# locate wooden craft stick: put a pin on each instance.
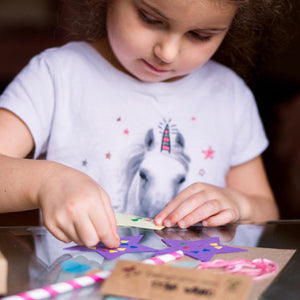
(3, 275)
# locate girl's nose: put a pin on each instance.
(167, 49)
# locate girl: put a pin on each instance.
(138, 120)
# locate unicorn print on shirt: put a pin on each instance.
(156, 173)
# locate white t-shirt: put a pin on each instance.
(142, 142)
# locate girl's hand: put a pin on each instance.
(75, 208)
(201, 202)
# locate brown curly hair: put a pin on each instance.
(259, 29)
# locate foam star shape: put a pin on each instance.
(128, 244)
(202, 250)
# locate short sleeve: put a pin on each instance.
(30, 96)
(249, 138)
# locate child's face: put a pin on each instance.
(160, 40)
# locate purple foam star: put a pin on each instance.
(128, 244)
(202, 250)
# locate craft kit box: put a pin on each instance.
(3, 275)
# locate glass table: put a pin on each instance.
(34, 256)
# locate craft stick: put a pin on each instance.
(3, 274)
(60, 287)
(164, 258)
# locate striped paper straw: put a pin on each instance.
(84, 281)
(60, 287)
(164, 258)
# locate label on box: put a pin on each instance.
(161, 282)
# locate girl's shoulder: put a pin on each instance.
(218, 71)
(67, 53)
(73, 57)
(220, 77)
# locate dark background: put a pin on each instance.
(29, 26)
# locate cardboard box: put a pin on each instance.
(3, 274)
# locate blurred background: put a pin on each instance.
(29, 26)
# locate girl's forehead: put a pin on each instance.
(205, 11)
(191, 5)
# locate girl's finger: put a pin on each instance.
(201, 213)
(60, 235)
(86, 232)
(185, 208)
(65, 225)
(223, 217)
(173, 204)
(103, 227)
(110, 215)
(56, 229)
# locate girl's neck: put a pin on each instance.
(102, 46)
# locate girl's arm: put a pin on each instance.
(250, 179)
(248, 197)
(74, 207)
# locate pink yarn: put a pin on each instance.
(258, 268)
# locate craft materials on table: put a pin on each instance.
(61, 287)
(83, 281)
(3, 274)
(202, 250)
(251, 254)
(135, 221)
(258, 268)
(164, 258)
(128, 244)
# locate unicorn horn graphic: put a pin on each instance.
(165, 143)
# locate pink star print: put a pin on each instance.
(208, 153)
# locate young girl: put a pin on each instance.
(139, 120)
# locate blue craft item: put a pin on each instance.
(72, 266)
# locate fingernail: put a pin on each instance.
(181, 224)
(113, 242)
(158, 221)
(167, 223)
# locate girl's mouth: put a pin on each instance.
(154, 68)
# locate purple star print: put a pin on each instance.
(202, 250)
(128, 244)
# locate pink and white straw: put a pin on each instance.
(60, 287)
(164, 258)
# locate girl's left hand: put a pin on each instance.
(201, 202)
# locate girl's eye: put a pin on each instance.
(148, 19)
(196, 36)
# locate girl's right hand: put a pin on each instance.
(75, 208)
